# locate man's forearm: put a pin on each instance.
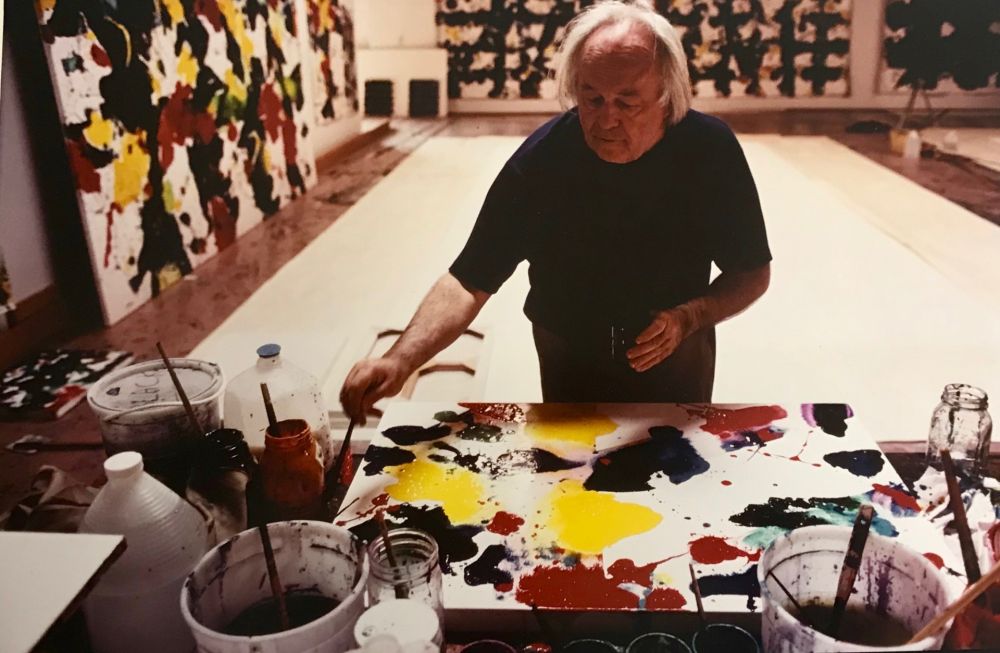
(444, 314)
(731, 293)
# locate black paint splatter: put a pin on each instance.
(455, 543)
(519, 461)
(863, 462)
(451, 417)
(486, 570)
(631, 469)
(410, 435)
(789, 513)
(378, 458)
(481, 433)
(832, 418)
(743, 583)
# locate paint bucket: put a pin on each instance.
(892, 580)
(139, 410)
(310, 557)
(724, 637)
(657, 643)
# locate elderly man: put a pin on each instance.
(620, 206)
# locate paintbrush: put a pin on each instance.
(798, 608)
(401, 592)
(265, 537)
(180, 390)
(334, 476)
(852, 560)
(968, 596)
(969, 557)
(697, 595)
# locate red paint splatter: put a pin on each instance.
(574, 588)
(65, 395)
(720, 421)
(380, 500)
(87, 178)
(711, 550)
(179, 122)
(503, 587)
(107, 235)
(625, 571)
(935, 559)
(270, 111)
(288, 140)
(505, 523)
(209, 9)
(665, 598)
(223, 222)
(232, 133)
(900, 498)
(99, 56)
(727, 482)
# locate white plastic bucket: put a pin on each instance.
(309, 555)
(892, 579)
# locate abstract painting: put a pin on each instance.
(764, 48)
(602, 507)
(331, 37)
(951, 45)
(184, 126)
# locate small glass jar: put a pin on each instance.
(291, 472)
(961, 424)
(416, 575)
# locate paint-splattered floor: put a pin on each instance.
(185, 314)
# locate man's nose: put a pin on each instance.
(608, 116)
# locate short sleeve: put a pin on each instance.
(497, 243)
(738, 238)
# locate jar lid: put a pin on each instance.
(269, 350)
(413, 620)
(149, 383)
(123, 465)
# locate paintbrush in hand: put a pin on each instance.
(855, 549)
(265, 537)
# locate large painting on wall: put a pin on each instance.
(185, 126)
(767, 48)
(331, 38)
(939, 45)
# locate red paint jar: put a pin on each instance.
(291, 472)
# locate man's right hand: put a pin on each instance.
(367, 382)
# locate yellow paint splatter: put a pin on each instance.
(46, 5)
(663, 578)
(168, 275)
(459, 491)
(100, 130)
(176, 10)
(187, 65)
(170, 201)
(589, 522)
(234, 20)
(578, 424)
(131, 169)
(277, 27)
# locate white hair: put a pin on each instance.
(668, 51)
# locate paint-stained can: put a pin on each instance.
(140, 410)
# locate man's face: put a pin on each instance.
(618, 92)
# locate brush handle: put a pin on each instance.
(971, 594)
(972, 571)
(272, 574)
(855, 549)
(272, 419)
(180, 390)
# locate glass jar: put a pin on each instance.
(291, 472)
(962, 425)
(416, 574)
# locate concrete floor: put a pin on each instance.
(184, 315)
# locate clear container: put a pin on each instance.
(416, 574)
(961, 423)
(291, 472)
(294, 392)
(135, 605)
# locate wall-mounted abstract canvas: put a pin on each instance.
(331, 38)
(948, 46)
(184, 126)
(767, 48)
(602, 507)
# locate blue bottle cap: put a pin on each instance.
(269, 350)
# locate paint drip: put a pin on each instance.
(630, 469)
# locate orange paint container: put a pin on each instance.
(291, 471)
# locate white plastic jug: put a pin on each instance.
(294, 392)
(136, 604)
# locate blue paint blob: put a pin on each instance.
(863, 462)
(631, 468)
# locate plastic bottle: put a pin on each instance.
(136, 603)
(294, 392)
(911, 150)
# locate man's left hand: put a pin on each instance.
(661, 338)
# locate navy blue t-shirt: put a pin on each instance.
(611, 243)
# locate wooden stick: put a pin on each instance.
(697, 594)
(971, 594)
(972, 571)
(272, 574)
(802, 613)
(180, 390)
(401, 592)
(855, 549)
(272, 419)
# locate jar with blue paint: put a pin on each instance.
(962, 424)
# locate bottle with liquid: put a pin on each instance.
(962, 424)
(291, 473)
(135, 605)
(294, 392)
